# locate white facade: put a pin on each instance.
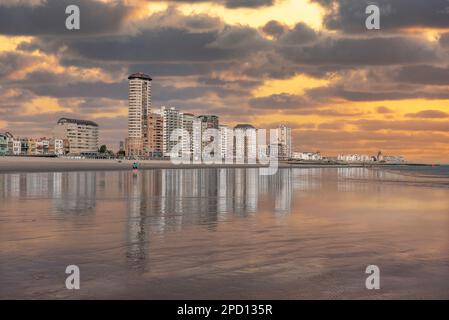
(197, 134)
(187, 143)
(16, 146)
(226, 142)
(59, 147)
(307, 156)
(394, 159)
(172, 120)
(355, 158)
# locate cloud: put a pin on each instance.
(378, 51)
(12, 62)
(349, 15)
(428, 114)
(423, 74)
(274, 28)
(232, 4)
(48, 17)
(402, 125)
(384, 110)
(279, 102)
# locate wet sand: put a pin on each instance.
(36, 164)
(223, 234)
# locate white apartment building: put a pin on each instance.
(139, 107)
(58, 147)
(354, 158)
(226, 142)
(197, 136)
(172, 120)
(307, 156)
(82, 135)
(245, 143)
(16, 145)
(187, 143)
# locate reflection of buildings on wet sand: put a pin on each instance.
(69, 191)
(164, 200)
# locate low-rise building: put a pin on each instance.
(3, 144)
(355, 158)
(307, 156)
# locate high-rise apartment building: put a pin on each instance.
(139, 107)
(285, 142)
(226, 142)
(82, 135)
(155, 136)
(210, 121)
(172, 120)
(245, 143)
(187, 138)
(197, 135)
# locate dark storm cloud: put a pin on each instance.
(379, 51)
(423, 74)
(229, 83)
(159, 45)
(117, 91)
(428, 114)
(48, 18)
(349, 15)
(340, 92)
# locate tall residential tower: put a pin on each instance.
(139, 108)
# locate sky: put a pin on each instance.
(310, 64)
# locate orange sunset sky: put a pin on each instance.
(311, 64)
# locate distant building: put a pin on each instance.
(155, 145)
(81, 135)
(355, 158)
(139, 107)
(394, 159)
(226, 142)
(197, 142)
(187, 142)
(245, 143)
(211, 121)
(285, 142)
(172, 120)
(307, 156)
(4, 144)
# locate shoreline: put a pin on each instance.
(37, 164)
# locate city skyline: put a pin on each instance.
(309, 64)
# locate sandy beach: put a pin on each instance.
(36, 164)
